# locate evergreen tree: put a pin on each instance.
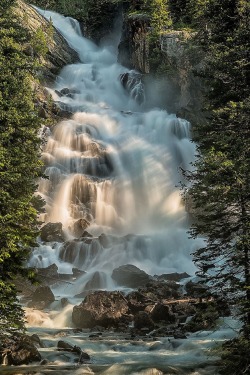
(19, 163)
(220, 180)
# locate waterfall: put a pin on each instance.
(115, 166)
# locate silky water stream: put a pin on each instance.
(115, 165)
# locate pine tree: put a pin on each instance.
(220, 180)
(19, 164)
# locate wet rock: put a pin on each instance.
(173, 276)
(44, 362)
(183, 310)
(64, 302)
(42, 297)
(95, 282)
(160, 290)
(77, 273)
(83, 356)
(94, 336)
(104, 241)
(35, 339)
(67, 92)
(86, 234)
(79, 227)
(52, 232)
(100, 308)
(19, 351)
(133, 84)
(64, 345)
(143, 320)
(179, 335)
(162, 312)
(68, 251)
(136, 301)
(130, 276)
(48, 274)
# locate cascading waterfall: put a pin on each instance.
(112, 171)
(114, 164)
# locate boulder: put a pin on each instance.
(52, 232)
(77, 273)
(136, 301)
(130, 276)
(42, 297)
(160, 290)
(64, 302)
(100, 308)
(19, 351)
(48, 274)
(95, 282)
(79, 227)
(161, 312)
(83, 356)
(104, 240)
(143, 320)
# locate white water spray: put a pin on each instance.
(116, 165)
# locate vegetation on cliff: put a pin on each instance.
(19, 164)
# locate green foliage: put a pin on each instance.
(40, 40)
(19, 163)
(158, 12)
(235, 357)
(204, 319)
(220, 179)
(11, 314)
(74, 8)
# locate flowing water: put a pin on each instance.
(114, 165)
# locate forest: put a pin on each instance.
(217, 183)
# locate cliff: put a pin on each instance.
(58, 53)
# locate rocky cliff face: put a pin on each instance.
(134, 46)
(182, 58)
(171, 60)
(58, 53)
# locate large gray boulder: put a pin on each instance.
(19, 351)
(42, 297)
(100, 308)
(130, 276)
(52, 232)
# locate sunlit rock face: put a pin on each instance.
(59, 52)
